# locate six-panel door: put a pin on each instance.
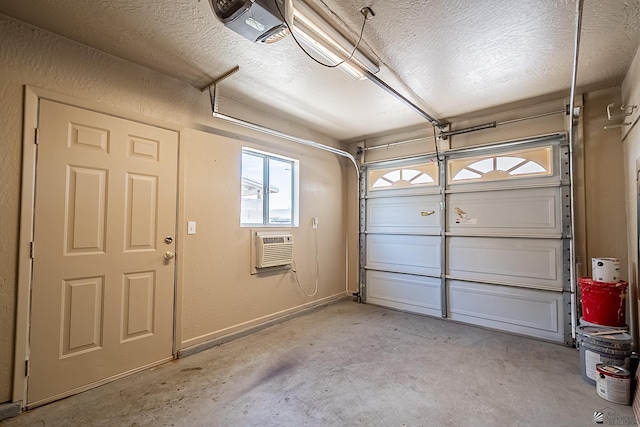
(102, 291)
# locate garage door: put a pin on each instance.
(404, 240)
(484, 238)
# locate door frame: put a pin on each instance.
(32, 97)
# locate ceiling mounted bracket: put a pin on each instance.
(213, 87)
(446, 134)
(367, 13)
(626, 111)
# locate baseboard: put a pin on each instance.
(189, 351)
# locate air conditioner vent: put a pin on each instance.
(274, 250)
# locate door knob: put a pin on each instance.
(169, 255)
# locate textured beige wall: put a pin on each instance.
(604, 181)
(32, 57)
(219, 294)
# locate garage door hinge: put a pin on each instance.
(32, 250)
(37, 137)
(26, 368)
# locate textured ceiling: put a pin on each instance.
(450, 57)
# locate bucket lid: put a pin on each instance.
(583, 322)
(618, 351)
(612, 370)
(604, 336)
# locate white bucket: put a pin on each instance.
(606, 270)
(610, 349)
(613, 383)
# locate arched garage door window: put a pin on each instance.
(404, 176)
(513, 165)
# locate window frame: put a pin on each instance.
(400, 168)
(294, 185)
(546, 151)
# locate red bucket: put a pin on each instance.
(603, 303)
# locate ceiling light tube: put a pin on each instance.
(335, 46)
(327, 53)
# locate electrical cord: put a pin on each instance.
(355, 48)
(294, 270)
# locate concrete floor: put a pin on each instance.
(350, 364)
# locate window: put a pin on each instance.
(405, 176)
(268, 189)
(516, 164)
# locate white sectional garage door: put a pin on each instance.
(483, 239)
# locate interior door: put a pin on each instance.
(103, 269)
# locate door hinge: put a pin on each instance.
(32, 250)
(26, 368)
(37, 136)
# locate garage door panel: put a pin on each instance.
(415, 214)
(485, 242)
(535, 211)
(404, 254)
(525, 311)
(530, 262)
(417, 294)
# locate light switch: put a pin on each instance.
(191, 227)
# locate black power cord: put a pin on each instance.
(355, 48)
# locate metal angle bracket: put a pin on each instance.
(566, 316)
(446, 134)
(362, 207)
(565, 195)
(565, 164)
(566, 265)
(213, 93)
(444, 294)
(362, 295)
(626, 111)
(361, 234)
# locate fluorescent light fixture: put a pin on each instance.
(327, 53)
(317, 34)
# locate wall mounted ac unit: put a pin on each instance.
(273, 250)
(260, 21)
